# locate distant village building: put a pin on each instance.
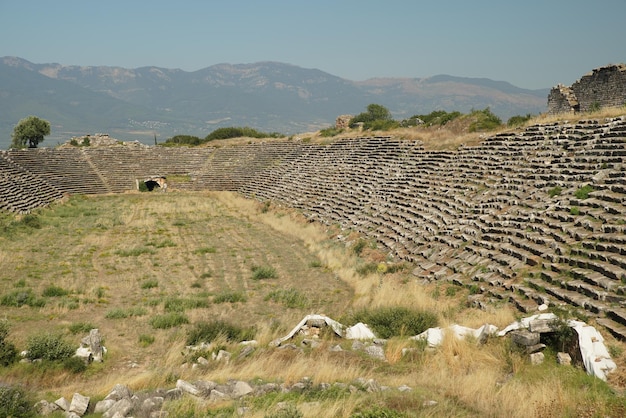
(602, 87)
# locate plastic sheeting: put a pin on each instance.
(435, 336)
(359, 331)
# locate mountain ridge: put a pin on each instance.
(270, 96)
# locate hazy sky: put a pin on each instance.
(529, 43)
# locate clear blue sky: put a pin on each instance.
(529, 43)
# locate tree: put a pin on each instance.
(30, 132)
(376, 117)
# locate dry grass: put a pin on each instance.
(194, 245)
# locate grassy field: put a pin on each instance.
(145, 268)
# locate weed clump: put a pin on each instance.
(209, 331)
(263, 272)
(289, 298)
(15, 402)
(168, 320)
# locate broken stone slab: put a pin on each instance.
(535, 348)
(188, 387)
(79, 404)
(118, 392)
(103, 406)
(375, 351)
(120, 408)
(525, 338)
(542, 325)
(241, 388)
(63, 403)
(222, 355)
(563, 359)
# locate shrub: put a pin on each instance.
(229, 297)
(555, 191)
(574, 210)
(182, 304)
(330, 132)
(20, 298)
(484, 120)
(436, 117)
(583, 192)
(359, 247)
(53, 291)
(48, 347)
(209, 331)
(119, 313)
(387, 322)
(145, 340)
(8, 352)
(74, 365)
(290, 298)
(150, 284)
(377, 117)
(15, 403)
(135, 252)
(168, 320)
(233, 132)
(518, 120)
(263, 272)
(182, 140)
(377, 412)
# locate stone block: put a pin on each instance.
(79, 404)
(524, 337)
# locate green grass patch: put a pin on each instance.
(229, 297)
(209, 331)
(205, 250)
(583, 192)
(555, 191)
(168, 320)
(19, 298)
(135, 252)
(80, 327)
(48, 347)
(182, 304)
(150, 284)
(54, 291)
(121, 313)
(263, 272)
(289, 298)
(146, 340)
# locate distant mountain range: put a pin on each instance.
(268, 96)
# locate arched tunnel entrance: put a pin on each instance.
(152, 183)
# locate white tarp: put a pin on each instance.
(435, 336)
(336, 326)
(359, 331)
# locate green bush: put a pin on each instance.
(48, 347)
(436, 117)
(484, 120)
(583, 192)
(359, 247)
(330, 132)
(74, 365)
(234, 132)
(53, 291)
(81, 327)
(555, 191)
(182, 304)
(377, 117)
(8, 352)
(387, 322)
(209, 331)
(178, 140)
(150, 284)
(15, 402)
(20, 298)
(263, 272)
(168, 320)
(229, 297)
(145, 340)
(518, 120)
(120, 313)
(377, 412)
(289, 298)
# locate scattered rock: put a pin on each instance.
(536, 358)
(79, 404)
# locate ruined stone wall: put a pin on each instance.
(602, 87)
